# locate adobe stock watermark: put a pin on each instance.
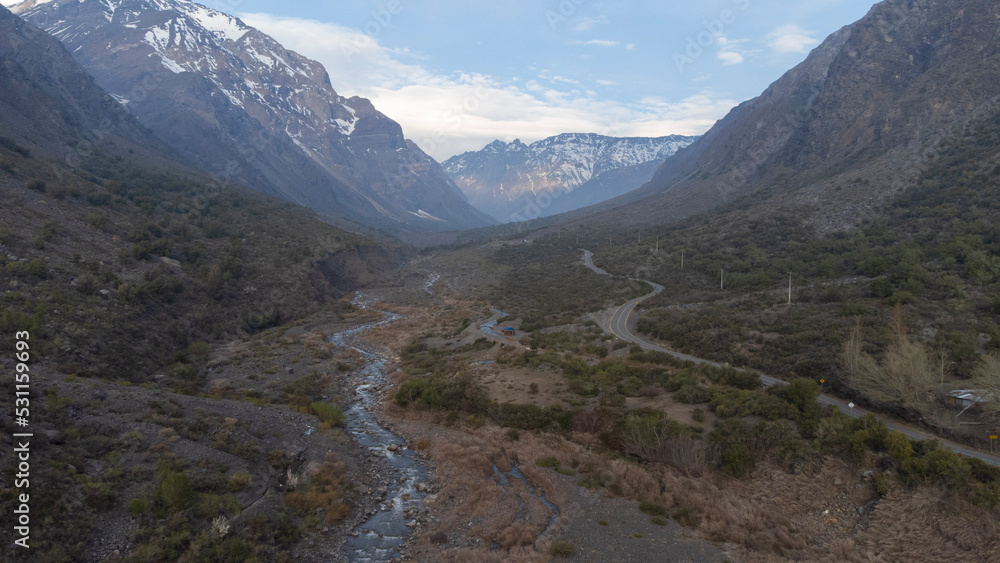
(714, 28)
(562, 12)
(381, 18)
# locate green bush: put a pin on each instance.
(138, 506)
(184, 371)
(238, 481)
(550, 461)
(653, 509)
(738, 460)
(174, 492)
(691, 394)
(461, 393)
(330, 414)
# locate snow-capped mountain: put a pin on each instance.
(236, 103)
(514, 181)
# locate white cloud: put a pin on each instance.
(790, 39)
(582, 25)
(730, 57)
(607, 82)
(597, 43)
(449, 114)
(727, 54)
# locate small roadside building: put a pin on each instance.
(509, 331)
(965, 398)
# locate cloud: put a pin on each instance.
(790, 39)
(446, 114)
(730, 57)
(582, 25)
(727, 54)
(607, 82)
(597, 42)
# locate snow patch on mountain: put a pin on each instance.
(503, 176)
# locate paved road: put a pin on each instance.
(588, 260)
(620, 326)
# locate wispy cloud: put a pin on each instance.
(582, 25)
(790, 39)
(597, 43)
(727, 50)
(446, 114)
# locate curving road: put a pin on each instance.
(619, 325)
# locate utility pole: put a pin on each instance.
(657, 243)
(682, 258)
(722, 279)
(789, 288)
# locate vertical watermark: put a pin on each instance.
(22, 439)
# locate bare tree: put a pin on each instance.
(986, 380)
(904, 375)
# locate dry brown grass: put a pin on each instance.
(773, 515)
(325, 491)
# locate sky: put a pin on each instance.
(458, 74)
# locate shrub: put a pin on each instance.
(138, 506)
(99, 495)
(238, 481)
(184, 371)
(174, 492)
(652, 509)
(561, 549)
(550, 461)
(686, 517)
(330, 414)
(737, 460)
(198, 349)
(691, 394)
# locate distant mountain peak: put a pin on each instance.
(504, 179)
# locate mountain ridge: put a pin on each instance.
(233, 101)
(514, 181)
(843, 132)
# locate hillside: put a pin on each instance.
(842, 133)
(515, 182)
(120, 256)
(231, 100)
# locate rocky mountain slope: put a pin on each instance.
(513, 181)
(119, 256)
(234, 102)
(843, 132)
